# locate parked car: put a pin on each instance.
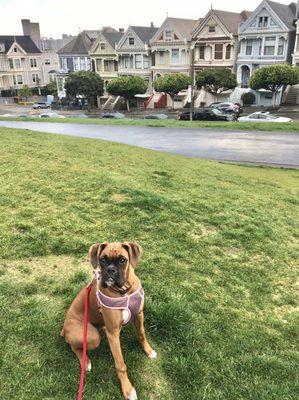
(8, 115)
(156, 116)
(41, 106)
(264, 117)
(228, 107)
(51, 115)
(206, 114)
(115, 115)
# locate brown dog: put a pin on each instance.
(114, 299)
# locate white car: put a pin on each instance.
(264, 117)
(51, 115)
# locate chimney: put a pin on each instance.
(152, 25)
(121, 30)
(32, 29)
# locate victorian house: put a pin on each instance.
(74, 56)
(21, 63)
(134, 53)
(215, 39)
(170, 46)
(267, 37)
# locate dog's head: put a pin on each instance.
(115, 260)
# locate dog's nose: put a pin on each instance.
(111, 270)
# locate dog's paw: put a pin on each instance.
(132, 395)
(153, 355)
(88, 366)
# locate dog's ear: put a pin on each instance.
(94, 251)
(134, 251)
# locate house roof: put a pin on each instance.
(112, 37)
(286, 12)
(81, 43)
(145, 33)
(183, 27)
(232, 20)
(25, 42)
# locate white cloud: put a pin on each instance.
(67, 16)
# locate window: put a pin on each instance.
(10, 61)
(161, 57)
(17, 63)
(99, 64)
(33, 62)
(168, 35)
(103, 46)
(76, 64)
(63, 63)
(184, 57)
(280, 50)
(131, 41)
(82, 64)
(2, 47)
(138, 61)
(248, 47)
(15, 50)
(263, 22)
(47, 61)
(35, 78)
(126, 62)
(17, 80)
(228, 52)
(175, 56)
(269, 49)
(88, 64)
(212, 28)
(218, 51)
(202, 52)
(145, 61)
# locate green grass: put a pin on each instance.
(247, 126)
(219, 269)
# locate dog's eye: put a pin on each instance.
(104, 260)
(122, 261)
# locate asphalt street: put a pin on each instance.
(262, 148)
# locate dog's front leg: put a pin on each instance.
(139, 323)
(121, 369)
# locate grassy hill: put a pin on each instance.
(220, 249)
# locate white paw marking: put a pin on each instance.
(88, 366)
(153, 355)
(133, 395)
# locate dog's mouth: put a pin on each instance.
(109, 282)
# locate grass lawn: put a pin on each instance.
(219, 269)
(243, 126)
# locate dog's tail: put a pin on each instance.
(62, 332)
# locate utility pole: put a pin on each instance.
(192, 79)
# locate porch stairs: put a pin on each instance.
(292, 96)
(112, 103)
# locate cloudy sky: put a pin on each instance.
(70, 16)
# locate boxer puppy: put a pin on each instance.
(116, 299)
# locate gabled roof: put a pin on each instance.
(81, 43)
(25, 42)
(182, 26)
(145, 33)
(232, 20)
(112, 37)
(287, 13)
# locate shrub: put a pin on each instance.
(248, 98)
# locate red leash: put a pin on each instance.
(83, 363)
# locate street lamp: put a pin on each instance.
(192, 79)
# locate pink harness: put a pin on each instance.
(129, 304)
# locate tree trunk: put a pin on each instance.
(273, 99)
(128, 105)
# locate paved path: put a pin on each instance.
(274, 148)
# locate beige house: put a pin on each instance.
(170, 46)
(134, 53)
(104, 56)
(21, 63)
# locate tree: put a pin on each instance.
(274, 78)
(248, 98)
(127, 87)
(25, 92)
(51, 88)
(172, 84)
(216, 81)
(85, 83)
